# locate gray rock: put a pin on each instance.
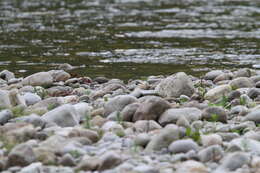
(129, 111)
(239, 110)
(215, 113)
(163, 139)
(212, 153)
(109, 160)
(253, 93)
(253, 116)
(59, 75)
(38, 79)
(223, 77)
(5, 115)
(241, 82)
(183, 146)
(234, 161)
(21, 155)
(191, 166)
(4, 99)
(7, 75)
(172, 115)
(32, 119)
(211, 139)
(55, 169)
(64, 116)
(65, 66)
(31, 98)
(16, 98)
(146, 125)
(142, 139)
(83, 110)
(233, 95)
(33, 168)
(216, 93)
(118, 103)
(67, 160)
(175, 86)
(151, 108)
(56, 101)
(245, 72)
(246, 144)
(213, 74)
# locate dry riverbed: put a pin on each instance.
(51, 122)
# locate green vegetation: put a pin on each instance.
(119, 118)
(223, 103)
(214, 117)
(195, 135)
(87, 123)
(18, 111)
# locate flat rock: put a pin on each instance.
(38, 79)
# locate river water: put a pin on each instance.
(129, 38)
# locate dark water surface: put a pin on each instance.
(129, 38)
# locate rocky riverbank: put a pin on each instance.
(51, 122)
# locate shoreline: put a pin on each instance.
(50, 121)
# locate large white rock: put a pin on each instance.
(175, 86)
(64, 116)
(38, 79)
(216, 93)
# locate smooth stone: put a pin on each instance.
(129, 111)
(118, 103)
(253, 116)
(211, 139)
(59, 75)
(216, 93)
(65, 66)
(67, 160)
(142, 139)
(163, 139)
(38, 79)
(215, 113)
(253, 93)
(31, 98)
(36, 167)
(191, 166)
(146, 125)
(246, 144)
(83, 110)
(172, 115)
(183, 146)
(21, 155)
(4, 99)
(16, 98)
(233, 161)
(213, 153)
(175, 86)
(241, 82)
(6, 75)
(5, 115)
(64, 116)
(213, 74)
(109, 160)
(151, 108)
(239, 110)
(245, 72)
(88, 163)
(233, 95)
(223, 77)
